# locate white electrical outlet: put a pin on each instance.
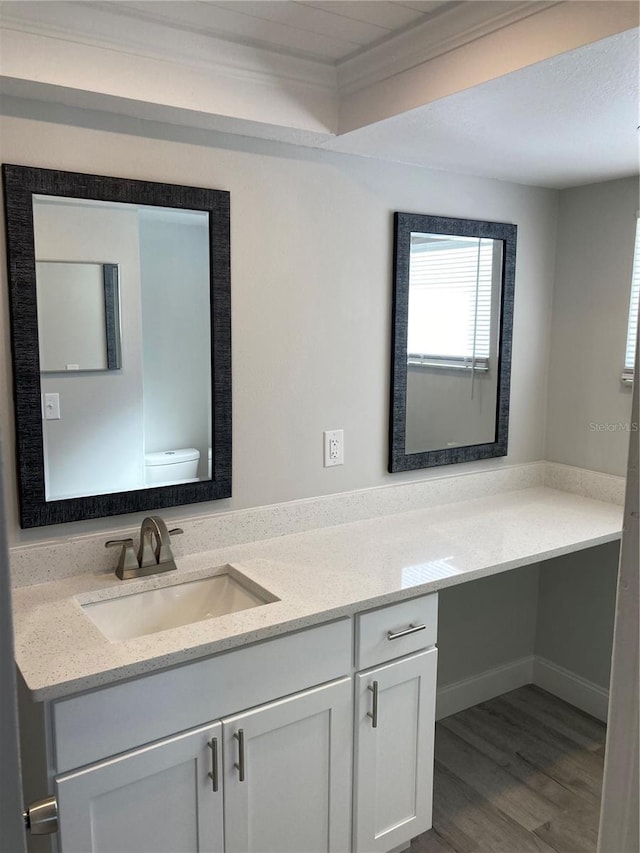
(333, 447)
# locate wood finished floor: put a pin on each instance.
(521, 773)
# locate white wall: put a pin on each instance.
(596, 228)
(98, 439)
(311, 294)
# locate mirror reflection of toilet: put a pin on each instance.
(170, 467)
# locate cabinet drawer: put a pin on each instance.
(114, 719)
(387, 633)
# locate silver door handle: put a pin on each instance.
(239, 736)
(412, 629)
(213, 746)
(373, 713)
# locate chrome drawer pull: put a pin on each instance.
(412, 629)
(213, 746)
(239, 736)
(373, 713)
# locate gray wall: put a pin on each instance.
(311, 254)
(576, 610)
(562, 610)
(596, 228)
(486, 623)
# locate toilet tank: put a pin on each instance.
(170, 467)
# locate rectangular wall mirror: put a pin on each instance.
(120, 321)
(451, 352)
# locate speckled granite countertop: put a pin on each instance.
(318, 576)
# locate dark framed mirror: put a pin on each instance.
(453, 290)
(120, 310)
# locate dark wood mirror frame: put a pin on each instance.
(404, 225)
(20, 184)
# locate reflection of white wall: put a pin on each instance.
(97, 444)
(174, 269)
(441, 412)
(71, 316)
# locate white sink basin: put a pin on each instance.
(129, 616)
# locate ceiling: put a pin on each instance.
(328, 32)
(530, 91)
(567, 121)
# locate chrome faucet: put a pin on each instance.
(150, 560)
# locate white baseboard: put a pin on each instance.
(532, 669)
(572, 688)
(493, 682)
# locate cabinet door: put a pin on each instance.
(394, 732)
(295, 758)
(157, 799)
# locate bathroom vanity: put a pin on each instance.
(306, 723)
(251, 750)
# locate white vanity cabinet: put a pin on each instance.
(157, 799)
(276, 778)
(394, 725)
(252, 750)
(294, 793)
(133, 774)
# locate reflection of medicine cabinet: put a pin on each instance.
(78, 316)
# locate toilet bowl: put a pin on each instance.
(170, 467)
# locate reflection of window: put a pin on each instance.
(450, 283)
(632, 330)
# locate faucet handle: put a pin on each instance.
(128, 564)
(175, 530)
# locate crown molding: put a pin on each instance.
(69, 72)
(129, 32)
(447, 30)
(109, 56)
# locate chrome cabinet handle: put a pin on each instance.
(412, 629)
(41, 817)
(213, 746)
(239, 736)
(373, 713)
